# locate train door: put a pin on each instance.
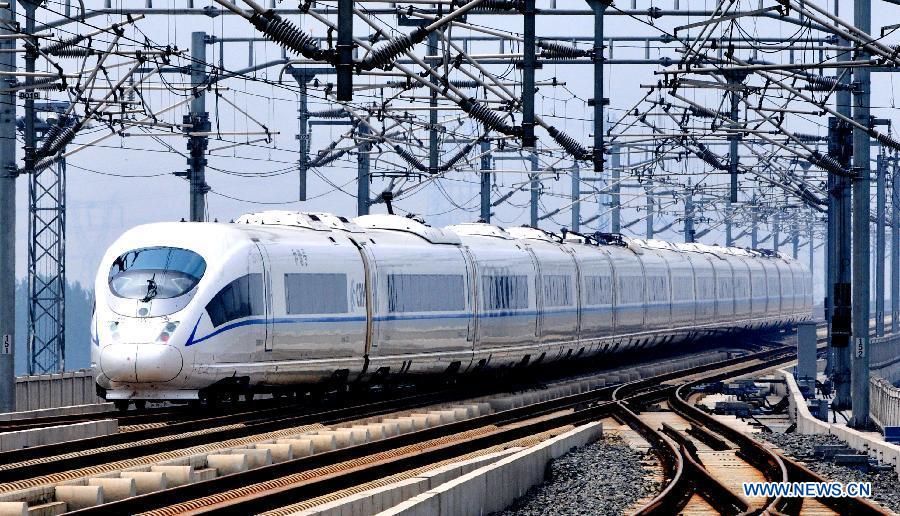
(472, 290)
(368, 298)
(259, 264)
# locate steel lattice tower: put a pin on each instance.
(47, 269)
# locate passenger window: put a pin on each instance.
(726, 290)
(599, 290)
(631, 290)
(706, 288)
(315, 293)
(683, 288)
(658, 289)
(557, 291)
(242, 297)
(426, 293)
(504, 292)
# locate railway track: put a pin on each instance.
(175, 428)
(295, 481)
(692, 479)
(706, 461)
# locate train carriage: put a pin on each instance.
(298, 299)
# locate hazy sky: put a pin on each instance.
(101, 206)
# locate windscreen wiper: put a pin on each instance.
(151, 290)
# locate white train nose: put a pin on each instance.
(143, 363)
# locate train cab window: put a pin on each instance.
(504, 292)
(557, 290)
(155, 273)
(315, 293)
(242, 297)
(426, 292)
(598, 290)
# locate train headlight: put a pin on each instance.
(113, 327)
(166, 332)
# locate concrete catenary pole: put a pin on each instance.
(7, 215)
(879, 246)
(615, 215)
(576, 197)
(485, 181)
(650, 207)
(688, 214)
(776, 231)
(535, 189)
(734, 82)
(362, 171)
(754, 223)
(859, 378)
(199, 120)
(433, 149)
(895, 247)
(302, 136)
(599, 58)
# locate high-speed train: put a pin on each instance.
(291, 299)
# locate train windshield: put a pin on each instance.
(155, 273)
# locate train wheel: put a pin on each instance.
(140, 404)
(121, 405)
(248, 396)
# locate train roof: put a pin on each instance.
(408, 225)
(316, 221)
(450, 235)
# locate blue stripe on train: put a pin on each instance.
(416, 317)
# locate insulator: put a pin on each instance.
(49, 137)
(554, 49)
(886, 140)
(708, 156)
(330, 113)
(702, 112)
(569, 144)
(286, 34)
(828, 163)
(810, 197)
(406, 156)
(487, 116)
(74, 52)
(324, 158)
(384, 55)
(805, 137)
(455, 158)
(43, 164)
(823, 83)
(51, 147)
(465, 84)
(57, 49)
(501, 6)
(46, 83)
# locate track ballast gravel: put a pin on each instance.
(605, 477)
(885, 485)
